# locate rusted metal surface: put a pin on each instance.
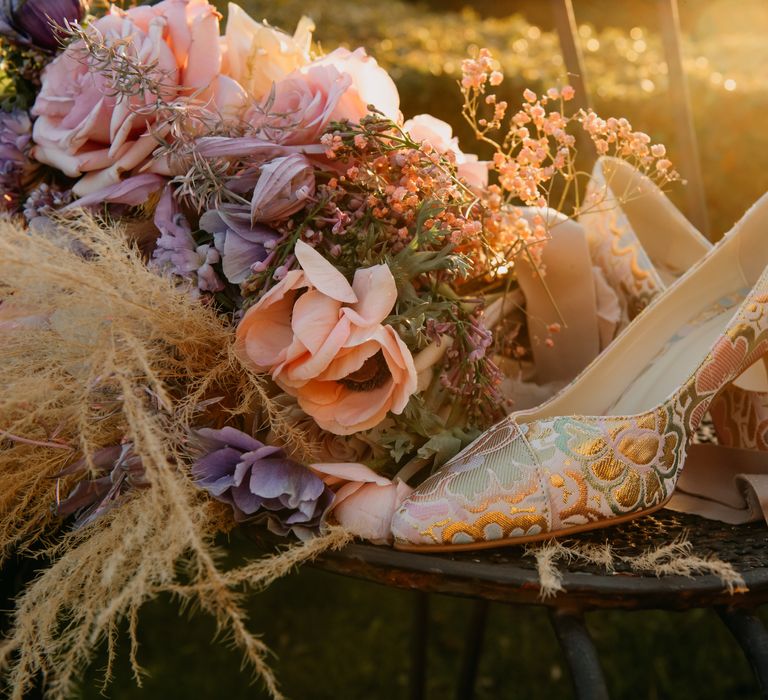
(510, 576)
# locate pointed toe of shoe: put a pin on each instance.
(488, 495)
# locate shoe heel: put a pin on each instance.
(740, 412)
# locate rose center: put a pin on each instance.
(373, 374)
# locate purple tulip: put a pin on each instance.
(35, 21)
(284, 186)
(15, 165)
(258, 480)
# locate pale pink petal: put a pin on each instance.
(321, 394)
(229, 98)
(398, 356)
(133, 191)
(179, 34)
(363, 408)
(371, 84)
(349, 471)
(349, 361)
(368, 512)
(204, 56)
(314, 318)
(323, 275)
(474, 173)
(265, 330)
(312, 366)
(377, 293)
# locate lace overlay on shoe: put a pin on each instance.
(616, 249)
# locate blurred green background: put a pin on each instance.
(340, 638)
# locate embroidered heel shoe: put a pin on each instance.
(643, 244)
(610, 446)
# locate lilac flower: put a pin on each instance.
(45, 199)
(176, 251)
(118, 471)
(258, 480)
(240, 243)
(35, 21)
(284, 186)
(15, 165)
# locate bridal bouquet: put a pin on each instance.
(238, 286)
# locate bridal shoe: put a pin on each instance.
(643, 244)
(611, 445)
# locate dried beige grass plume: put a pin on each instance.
(118, 353)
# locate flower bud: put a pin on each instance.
(35, 21)
(284, 186)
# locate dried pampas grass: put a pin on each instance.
(104, 350)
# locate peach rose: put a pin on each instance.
(439, 135)
(257, 55)
(323, 342)
(364, 501)
(83, 128)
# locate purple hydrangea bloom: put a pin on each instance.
(15, 165)
(35, 21)
(259, 480)
(176, 251)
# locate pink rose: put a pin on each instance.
(323, 342)
(83, 128)
(257, 55)
(338, 86)
(371, 84)
(439, 135)
(301, 106)
(364, 501)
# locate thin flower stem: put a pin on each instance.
(37, 443)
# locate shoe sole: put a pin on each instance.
(511, 541)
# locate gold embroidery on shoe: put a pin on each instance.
(628, 494)
(507, 525)
(516, 498)
(430, 531)
(639, 450)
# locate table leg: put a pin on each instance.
(580, 655)
(419, 639)
(750, 633)
(473, 648)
